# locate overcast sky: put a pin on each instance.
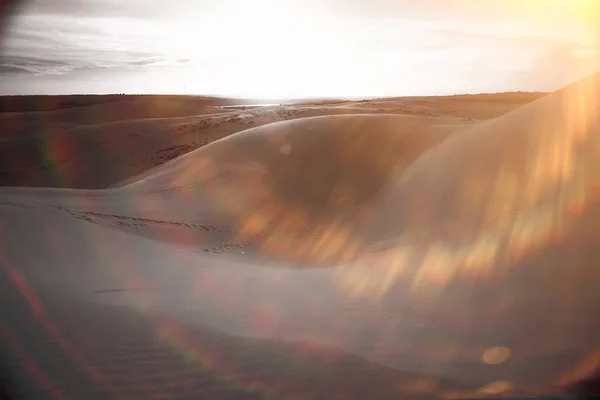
(297, 48)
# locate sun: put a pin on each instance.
(263, 29)
(261, 46)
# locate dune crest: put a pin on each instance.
(505, 186)
(298, 191)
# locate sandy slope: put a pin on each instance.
(466, 259)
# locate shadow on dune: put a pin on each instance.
(329, 166)
(276, 191)
(294, 192)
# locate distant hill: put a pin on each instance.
(58, 102)
(503, 97)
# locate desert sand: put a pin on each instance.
(93, 142)
(394, 248)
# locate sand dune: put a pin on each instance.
(453, 261)
(296, 182)
(96, 145)
(90, 110)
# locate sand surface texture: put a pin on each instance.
(413, 248)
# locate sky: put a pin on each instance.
(298, 48)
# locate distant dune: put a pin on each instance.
(98, 141)
(59, 102)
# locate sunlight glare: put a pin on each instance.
(272, 50)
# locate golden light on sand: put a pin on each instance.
(525, 198)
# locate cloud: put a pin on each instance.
(144, 9)
(8, 67)
(454, 45)
(61, 44)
